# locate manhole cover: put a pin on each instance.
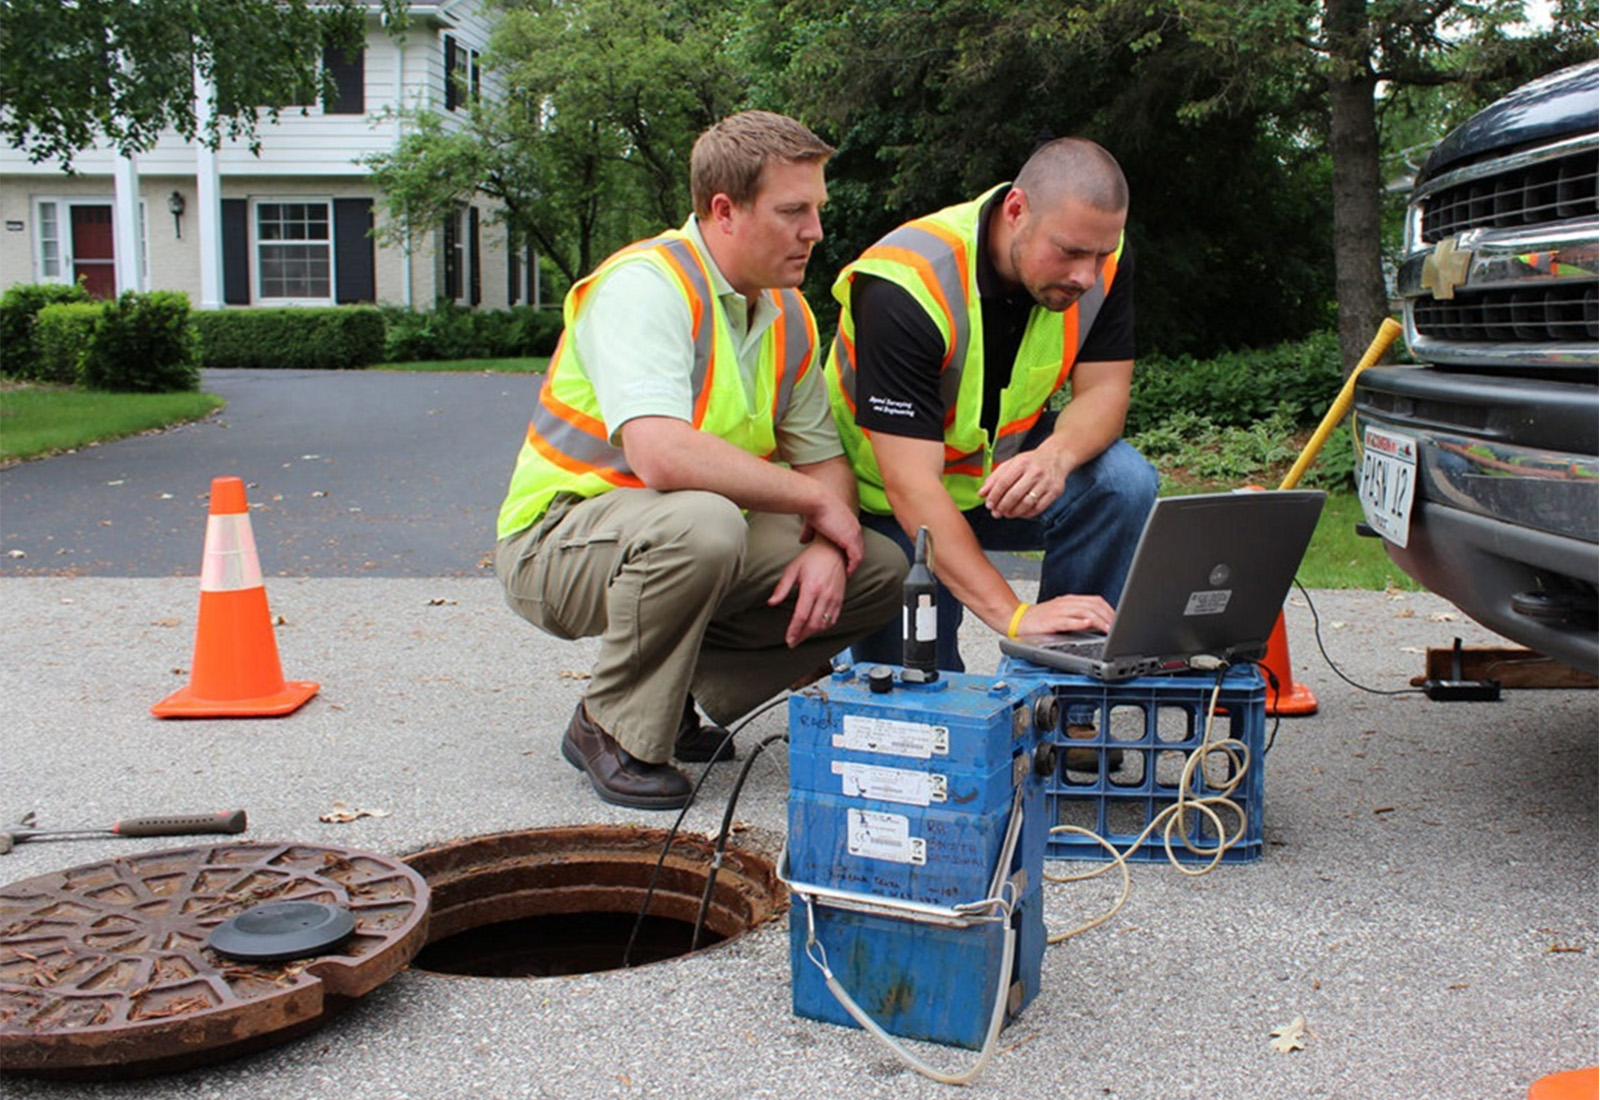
(104, 969)
(567, 900)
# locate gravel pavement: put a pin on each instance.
(1426, 903)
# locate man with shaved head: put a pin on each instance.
(955, 332)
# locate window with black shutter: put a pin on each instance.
(452, 257)
(349, 75)
(449, 72)
(477, 258)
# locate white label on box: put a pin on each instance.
(884, 735)
(890, 784)
(1212, 601)
(885, 836)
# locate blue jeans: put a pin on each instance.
(1087, 534)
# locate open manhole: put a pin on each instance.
(109, 971)
(567, 900)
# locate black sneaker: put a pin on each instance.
(699, 744)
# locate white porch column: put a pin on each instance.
(125, 224)
(208, 202)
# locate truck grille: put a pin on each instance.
(1533, 194)
(1550, 314)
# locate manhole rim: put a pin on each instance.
(741, 862)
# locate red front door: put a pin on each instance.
(94, 258)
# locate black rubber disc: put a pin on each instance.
(283, 930)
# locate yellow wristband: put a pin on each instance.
(1016, 618)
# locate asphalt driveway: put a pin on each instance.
(351, 473)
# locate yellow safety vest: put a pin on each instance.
(934, 260)
(567, 448)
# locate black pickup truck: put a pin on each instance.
(1478, 467)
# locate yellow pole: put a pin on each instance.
(1341, 404)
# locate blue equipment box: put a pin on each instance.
(1158, 722)
(906, 794)
(899, 807)
(918, 981)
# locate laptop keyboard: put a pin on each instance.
(1090, 649)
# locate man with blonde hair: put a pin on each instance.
(682, 492)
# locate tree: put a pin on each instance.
(75, 71)
(1353, 54)
(586, 144)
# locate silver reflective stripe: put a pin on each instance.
(230, 563)
(796, 347)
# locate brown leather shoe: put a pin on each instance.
(618, 777)
(1086, 760)
(698, 744)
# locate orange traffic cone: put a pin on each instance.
(1290, 699)
(1578, 1084)
(236, 672)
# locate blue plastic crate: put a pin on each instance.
(1158, 722)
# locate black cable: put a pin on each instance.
(1316, 626)
(727, 828)
(672, 833)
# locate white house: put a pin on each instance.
(290, 226)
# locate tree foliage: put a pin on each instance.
(935, 101)
(588, 145)
(76, 71)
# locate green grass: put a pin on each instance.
(533, 365)
(1340, 558)
(41, 420)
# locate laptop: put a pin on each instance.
(1208, 580)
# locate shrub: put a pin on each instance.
(450, 332)
(1237, 389)
(292, 339)
(61, 336)
(19, 311)
(143, 343)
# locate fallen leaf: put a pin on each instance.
(1290, 1036)
(341, 814)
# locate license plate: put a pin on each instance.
(1388, 483)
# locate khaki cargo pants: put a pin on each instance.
(675, 585)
